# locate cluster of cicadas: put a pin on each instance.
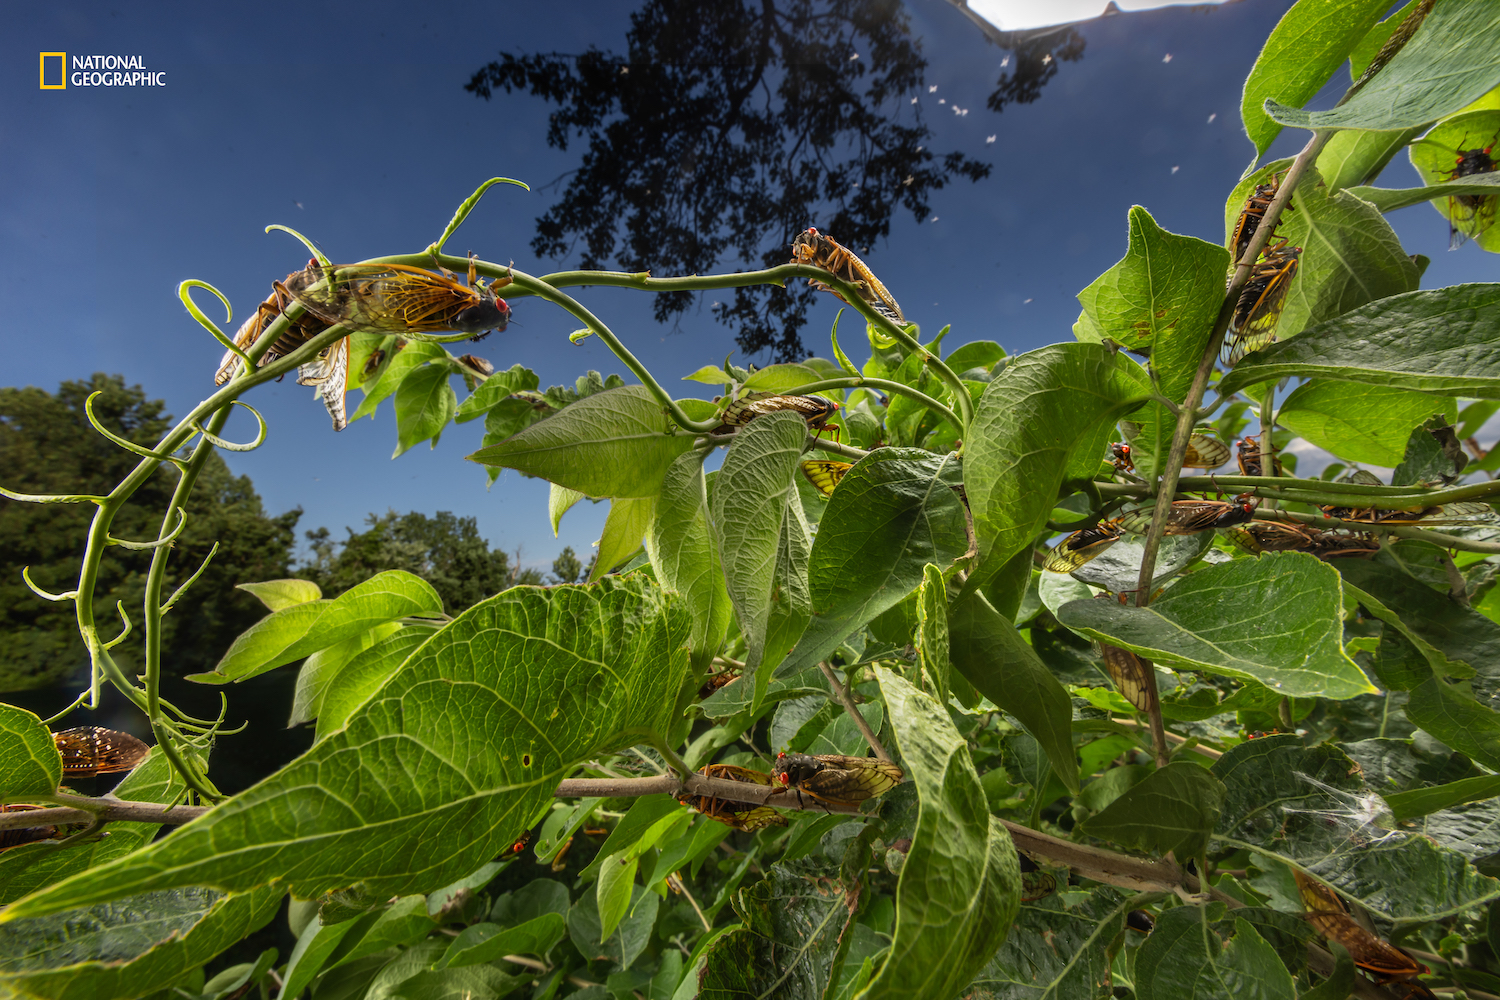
(86, 751)
(377, 298)
(828, 780)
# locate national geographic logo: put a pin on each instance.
(96, 71)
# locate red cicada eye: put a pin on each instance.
(782, 778)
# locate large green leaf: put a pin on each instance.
(961, 884)
(615, 443)
(1304, 50)
(29, 761)
(424, 404)
(1174, 809)
(365, 673)
(1450, 62)
(455, 756)
(1059, 949)
(278, 594)
(684, 555)
(892, 514)
(492, 390)
(1446, 341)
(319, 671)
(991, 655)
(1184, 958)
(1163, 296)
(1276, 620)
(624, 528)
(752, 496)
(1036, 426)
(1308, 806)
(1353, 159)
(407, 359)
(292, 633)
(128, 948)
(1453, 716)
(1359, 423)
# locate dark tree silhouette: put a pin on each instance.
(728, 128)
(1035, 60)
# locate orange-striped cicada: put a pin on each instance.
(1249, 455)
(1460, 513)
(714, 682)
(1131, 675)
(815, 409)
(1330, 917)
(1251, 216)
(90, 750)
(820, 250)
(1278, 536)
(745, 816)
(1081, 546)
(825, 475)
(1203, 452)
(1470, 214)
(1188, 517)
(1258, 310)
(835, 779)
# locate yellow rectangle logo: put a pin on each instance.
(61, 70)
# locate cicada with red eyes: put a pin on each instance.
(1081, 546)
(1203, 452)
(821, 250)
(1470, 214)
(1261, 301)
(1188, 517)
(814, 409)
(90, 750)
(744, 816)
(834, 779)
(1461, 513)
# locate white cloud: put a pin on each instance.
(1018, 15)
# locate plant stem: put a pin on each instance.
(841, 692)
(886, 385)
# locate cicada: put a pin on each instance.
(815, 409)
(1131, 675)
(1203, 452)
(1460, 513)
(1036, 883)
(1258, 310)
(715, 681)
(90, 750)
(1246, 226)
(1188, 517)
(745, 816)
(16, 836)
(1119, 457)
(1470, 214)
(1330, 917)
(1081, 546)
(819, 250)
(1249, 454)
(1277, 536)
(835, 779)
(825, 476)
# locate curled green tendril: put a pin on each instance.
(260, 437)
(189, 581)
(168, 540)
(467, 207)
(130, 446)
(311, 248)
(838, 352)
(185, 293)
(120, 607)
(44, 595)
(51, 497)
(64, 713)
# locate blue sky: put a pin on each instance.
(349, 122)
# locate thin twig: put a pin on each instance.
(681, 886)
(841, 692)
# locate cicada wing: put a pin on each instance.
(825, 476)
(1253, 326)
(89, 750)
(330, 373)
(1081, 546)
(1131, 676)
(1204, 452)
(849, 780)
(248, 333)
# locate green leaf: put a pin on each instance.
(625, 945)
(1038, 424)
(893, 513)
(482, 943)
(681, 545)
(932, 641)
(782, 378)
(424, 404)
(1309, 44)
(1163, 297)
(1352, 159)
(616, 443)
(458, 754)
(415, 354)
(290, 634)
(1456, 718)
(1359, 423)
(1450, 62)
(405, 921)
(624, 528)
(278, 594)
(475, 982)
(560, 500)
(315, 945)
(29, 761)
(320, 670)
(365, 673)
(1276, 619)
(1059, 947)
(1340, 983)
(751, 498)
(1422, 801)
(1436, 155)
(1184, 958)
(961, 884)
(129, 948)
(1174, 809)
(1390, 199)
(492, 390)
(974, 354)
(710, 375)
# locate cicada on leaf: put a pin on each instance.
(745, 816)
(1258, 310)
(716, 681)
(1470, 214)
(1188, 517)
(1081, 546)
(825, 475)
(835, 779)
(1330, 917)
(1131, 675)
(90, 750)
(821, 250)
(815, 410)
